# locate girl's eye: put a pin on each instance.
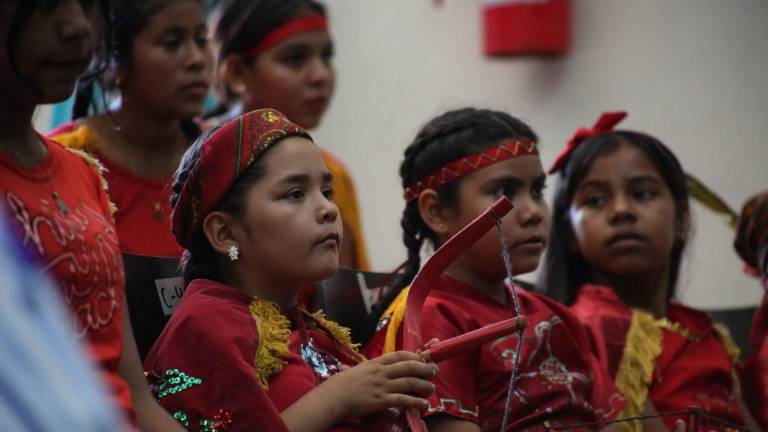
(328, 57)
(295, 194)
(294, 60)
(171, 43)
(644, 194)
(537, 192)
(595, 201)
(201, 41)
(328, 192)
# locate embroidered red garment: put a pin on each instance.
(680, 379)
(211, 344)
(560, 383)
(78, 247)
(307, 23)
(469, 164)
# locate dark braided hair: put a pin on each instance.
(446, 138)
(239, 25)
(564, 268)
(200, 261)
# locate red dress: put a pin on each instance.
(662, 359)
(754, 369)
(560, 383)
(143, 216)
(226, 357)
(75, 240)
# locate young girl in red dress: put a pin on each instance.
(458, 165)
(621, 223)
(253, 206)
(56, 198)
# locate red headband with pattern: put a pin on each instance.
(469, 164)
(224, 156)
(293, 27)
(604, 124)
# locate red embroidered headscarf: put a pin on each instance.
(226, 153)
(604, 124)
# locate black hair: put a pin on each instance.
(239, 25)
(444, 139)
(26, 8)
(199, 260)
(564, 268)
(127, 18)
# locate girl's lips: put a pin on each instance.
(199, 89)
(317, 104)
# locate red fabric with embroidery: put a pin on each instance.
(213, 336)
(681, 379)
(79, 248)
(557, 371)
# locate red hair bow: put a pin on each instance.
(604, 124)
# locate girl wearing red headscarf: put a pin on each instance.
(278, 54)
(621, 222)
(252, 205)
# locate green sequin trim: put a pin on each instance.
(182, 418)
(174, 381)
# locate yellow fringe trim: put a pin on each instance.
(396, 313)
(734, 352)
(99, 168)
(339, 332)
(274, 331)
(643, 346)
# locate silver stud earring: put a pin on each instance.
(234, 253)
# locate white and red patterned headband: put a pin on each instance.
(469, 164)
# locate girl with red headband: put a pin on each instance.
(252, 205)
(277, 53)
(56, 198)
(621, 223)
(458, 165)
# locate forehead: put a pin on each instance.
(625, 162)
(182, 13)
(292, 155)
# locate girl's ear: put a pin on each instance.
(219, 228)
(233, 70)
(434, 215)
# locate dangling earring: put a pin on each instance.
(234, 253)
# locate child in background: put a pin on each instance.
(622, 220)
(277, 53)
(253, 206)
(55, 197)
(160, 67)
(752, 246)
(458, 165)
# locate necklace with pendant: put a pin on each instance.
(60, 204)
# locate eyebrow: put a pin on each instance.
(632, 180)
(504, 180)
(326, 177)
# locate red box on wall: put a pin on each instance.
(520, 27)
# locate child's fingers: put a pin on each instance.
(405, 401)
(411, 385)
(411, 368)
(680, 425)
(396, 357)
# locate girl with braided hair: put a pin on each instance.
(458, 165)
(252, 205)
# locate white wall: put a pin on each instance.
(692, 72)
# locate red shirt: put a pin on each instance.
(681, 378)
(143, 216)
(212, 336)
(559, 382)
(79, 247)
